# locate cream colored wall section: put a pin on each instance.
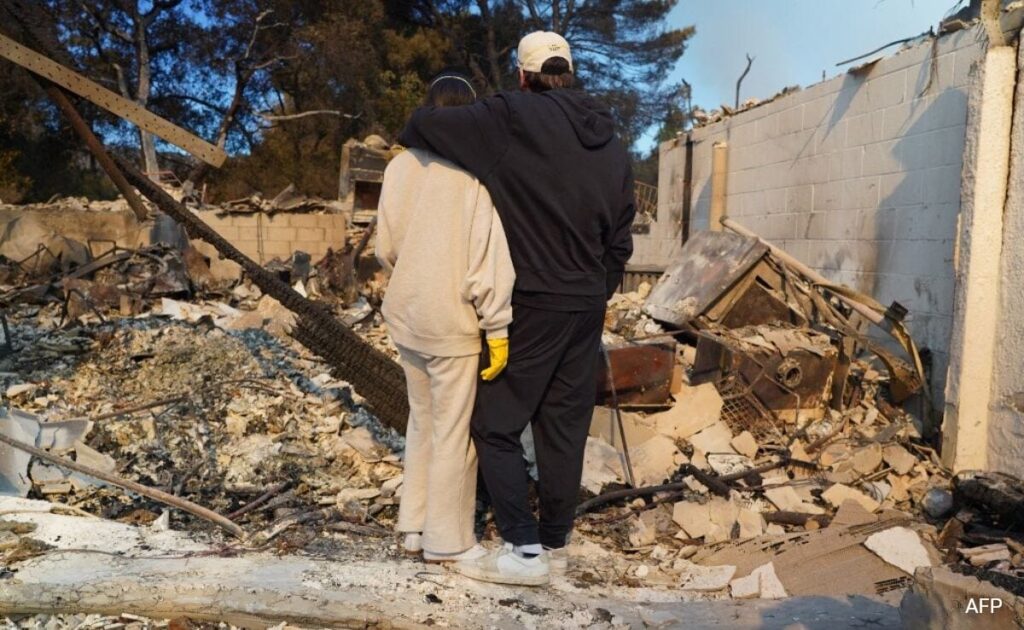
(859, 177)
(973, 344)
(1006, 423)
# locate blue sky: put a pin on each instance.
(792, 40)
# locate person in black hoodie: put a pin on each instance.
(562, 185)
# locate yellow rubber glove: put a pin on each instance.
(499, 358)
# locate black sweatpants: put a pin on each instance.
(549, 382)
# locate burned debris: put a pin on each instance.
(799, 444)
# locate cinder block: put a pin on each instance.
(791, 119)
(831, 137)
(248, 233)
(931, 79)
(828, 196)
(279, 233)
(305, 235)
(243, 220)
(774, 200)
(742, 132)
(878, 159)
(943, 147)
(800, 199)
(278, 220)
(818, 112)
(303, 220)
(248, 247)
(965, 66)
(866, 128)
(278, 249)
(812, 170)
(330, 221)
(943, 185)
(901, 189)
(859, 193)
(767, 127)
(887, 90)
(229, 232)
(928, 222)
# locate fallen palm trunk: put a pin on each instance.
(152, 493)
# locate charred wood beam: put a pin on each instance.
(131, 486)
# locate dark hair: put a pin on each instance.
(450, 89)
(554, 74)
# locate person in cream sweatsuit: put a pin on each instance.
(451, 278)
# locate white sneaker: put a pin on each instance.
(504, 566)
(557, 559)
(413, 543)
(473, 553)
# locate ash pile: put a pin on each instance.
(765, 433)
(135, 363)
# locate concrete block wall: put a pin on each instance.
(281, 235)
(858, 176)
(657, 247)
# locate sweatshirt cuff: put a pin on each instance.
(498, 333)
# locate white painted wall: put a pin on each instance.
(858, 176)
(1006, 422)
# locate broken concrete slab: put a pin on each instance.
(787, 500)
(746, 587)
(716, 438)
(745, 444)
(866, 460)
(898, 458)
(852, 513)
(655, 460)
(601, 465)
(900, 547)
(638, 429)
(838, 493)
(696, 409)
(703, 578)
(751, 524)
(694, 518)
(762, 582)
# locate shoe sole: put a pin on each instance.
(514, 580)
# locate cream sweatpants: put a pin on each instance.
(439, 491)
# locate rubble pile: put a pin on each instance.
(783, 448)
(219, 417)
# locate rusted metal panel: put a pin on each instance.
(641, 374)
(708, 265)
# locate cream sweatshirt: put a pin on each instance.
(440, 237)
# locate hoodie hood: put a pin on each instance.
(590, 119)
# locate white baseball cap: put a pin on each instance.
(538, 47)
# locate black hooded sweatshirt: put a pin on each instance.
(561, 183)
